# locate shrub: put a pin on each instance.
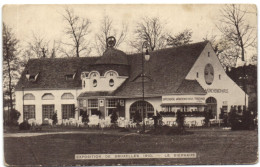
(235, 120)
(85, 116)
(24, 125)
(247, 120)
(180, 120)
(54, 118)
(114, 117)
(14, 116)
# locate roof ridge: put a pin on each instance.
(163, 49)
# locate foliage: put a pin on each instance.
(137, 117)
(186, 113)
(180, 119)
(114, 117)
(85, 116)
(24, 125)
(10, 62)
(14, 116)
(180, 39)
(54, 118)
(240, 122)
(237, 75)
(208, 115)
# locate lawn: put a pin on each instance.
(213, 146)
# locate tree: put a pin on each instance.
(38, 47)
(225, 51)
(150, 30)
(235, 29)
(179, 39)
(10, 62)
(77, 30)
(180, 120)
(106, 30)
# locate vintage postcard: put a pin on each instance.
(149, 84)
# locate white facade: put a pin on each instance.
(38, 102)
(94, 82)
(207, 68)
(224, 89)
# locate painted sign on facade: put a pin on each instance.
(183, 99)
(216, 90)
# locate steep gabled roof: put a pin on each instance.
(190, 87)
(165, 72)
(167, 69)
(53, 71)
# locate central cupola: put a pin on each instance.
(112, 55)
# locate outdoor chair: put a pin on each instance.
(32, 121)
(65, 122)
(72, 121)
(132, 124)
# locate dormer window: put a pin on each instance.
(111, 82)
(84, 75)
(70, 76)
(31, 77)
(94, 83)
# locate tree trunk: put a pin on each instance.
(10, 84)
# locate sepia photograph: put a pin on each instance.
(129, 84)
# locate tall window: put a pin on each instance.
(111, 103)
(29, 96)
(47, 111)
(28, 112)
(93, 103)
(68, 111)
(47, 96)
(67, 96)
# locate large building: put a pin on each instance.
(189, 78)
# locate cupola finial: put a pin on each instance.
(111, 41)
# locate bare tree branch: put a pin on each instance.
(107, 29)
(77, 30)
(150, 30)
(234, 29)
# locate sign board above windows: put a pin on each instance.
(195, 99)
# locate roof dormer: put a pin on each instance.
(70, 76)
(31, 77)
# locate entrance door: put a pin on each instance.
(138, 106)
(212, 105)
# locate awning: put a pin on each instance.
(183, 104)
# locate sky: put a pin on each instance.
(47, 21)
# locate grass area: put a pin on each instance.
(213, 146)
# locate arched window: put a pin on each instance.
(67, 96)
(111, 82)
(47, 96)
(94, 83)
(211, 100)
(29, 96)
(138, 106)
